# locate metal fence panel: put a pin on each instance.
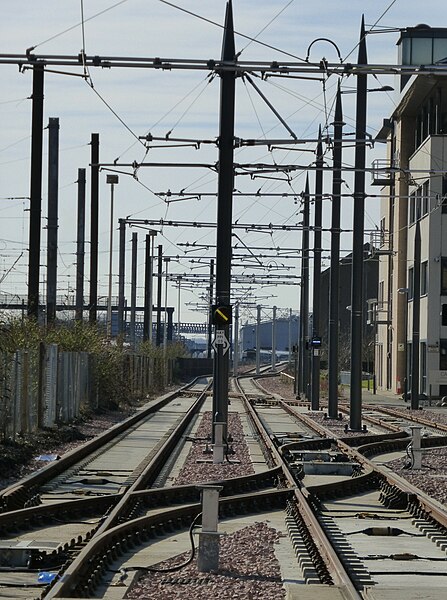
(49, 379)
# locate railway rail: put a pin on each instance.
(357, 528)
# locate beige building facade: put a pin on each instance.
(414, 182)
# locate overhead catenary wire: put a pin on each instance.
(238, 33)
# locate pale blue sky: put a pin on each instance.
(149, 101)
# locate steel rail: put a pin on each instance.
(333, 564)
(426, 503)
(417, 418)
(86, 572)
(114, 506)
(431, 507)
(16, 495)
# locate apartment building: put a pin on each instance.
(413, 178)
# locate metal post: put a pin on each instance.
(179, 322)
(170, 329)
(357, 242)
(236, 340)
(165, 319)
(80, 246)
(147, 333)
(165, 326)
(333, 328)
(159, 337)
(94, 220)
(121, 274)
(304, 309)
(224, 215)
(210, 316)
(274, 339)
(407, 358)
(112, 180)
(416, 318)
(316, 311)
(208, 555)
(258, 340)
(35, 191)
(133, 289)
(416, 448)
(289, 358)
(151, 288)
(53, 194)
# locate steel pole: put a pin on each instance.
(258, 339)
(333, 328)
(159, 337)
(274, 340)
(80, 246)
(52, 225)
(109, 294)
(35, 192)
(178, 309)
(305, 289)
(316, 311)
(133, 289)
(416, 318)
(236, 341)
(357, 293)
(151, 289)
(224, 216)
(210, 316)
(94, 220)
(121, 275)
(147, 330)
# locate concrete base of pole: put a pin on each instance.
(218, 447)
(416, 450)
(208, 557)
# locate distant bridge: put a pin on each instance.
(14, 302)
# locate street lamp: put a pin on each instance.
(112, 180)
(405, 291)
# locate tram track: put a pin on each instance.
(332, 515)
(65, 526)
(372, 503)
(94, 467)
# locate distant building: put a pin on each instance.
(370, 282)
(283, 326)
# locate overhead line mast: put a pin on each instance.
(224, 241)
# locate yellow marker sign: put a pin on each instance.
(222, 314)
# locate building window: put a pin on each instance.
(412, 211)
(425, 198)
(381, 293)
(382, 231)
(443, 276)
(418, 203)
(424, 278)
(444, 195)
(410, 283)
(443, 355)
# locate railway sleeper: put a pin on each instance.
(351, 561)
(433, 531)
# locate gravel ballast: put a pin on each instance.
(195, 470)
(248, 568)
